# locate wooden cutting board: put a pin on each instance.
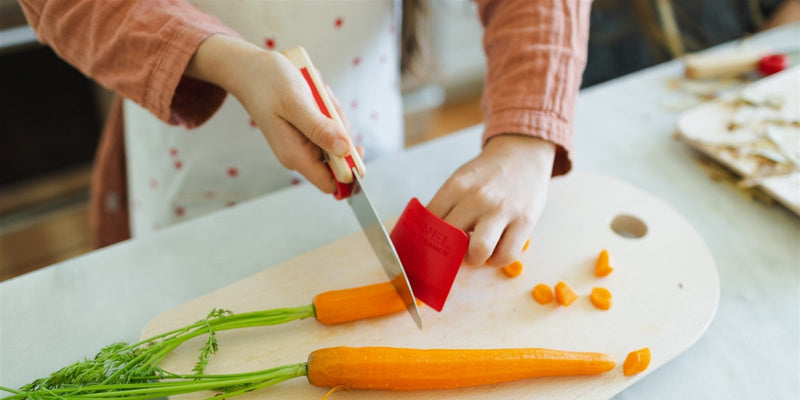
(665, 288)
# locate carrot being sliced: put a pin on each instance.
(636, 361)
(601, 266)
(352, 304)
(387, 368)
(513, 270)
(542, 294)
(601, 298)
(564, 294)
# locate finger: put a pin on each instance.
(509, 248)
(318, 174)
(445, 198)
(360, 151)
(463, 216)
(484, 239)
(324, 132)
(295, 152)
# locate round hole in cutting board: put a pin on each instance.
(628, 226)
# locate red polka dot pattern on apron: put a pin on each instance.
(216, 179)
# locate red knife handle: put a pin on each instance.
(341, 167)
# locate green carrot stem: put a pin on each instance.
(235, 321)
(194, 383)
(129, 365)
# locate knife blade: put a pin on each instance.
(348, 173)
(382, 246)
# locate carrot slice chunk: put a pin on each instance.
(636, 362)
(601, 267)
(564, 294)
(542, 294)
(352, 304)
(513, 270)
(527, 243)
(601, 298)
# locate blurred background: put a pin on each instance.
(51, 115)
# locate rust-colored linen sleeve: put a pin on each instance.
(137, 48)
(536, 53)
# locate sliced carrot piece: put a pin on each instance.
(601, 267)
(636, 362)
(527, 243)
(542, 294)
(352, 304)
(513, 270)
(601, 298)
(564, 294)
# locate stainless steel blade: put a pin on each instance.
(382, 246)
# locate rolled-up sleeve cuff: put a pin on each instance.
(538, 124)
(178, 99)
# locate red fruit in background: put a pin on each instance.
(773, 63)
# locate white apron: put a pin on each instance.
(175, 174)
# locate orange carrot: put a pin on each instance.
(357, 303)
(513, 270)
(527, 243)
(601, 298)
(601, 266)
(636, 362)
(542, 294)
(387, 368)
(564, 294)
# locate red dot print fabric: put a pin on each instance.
(175, 174)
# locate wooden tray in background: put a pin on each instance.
(706, 128)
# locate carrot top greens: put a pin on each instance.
(131, 371)
(164, 384)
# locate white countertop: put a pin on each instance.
(54, 316)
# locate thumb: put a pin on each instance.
(319, 129)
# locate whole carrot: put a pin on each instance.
(388, 368)
(384, 368)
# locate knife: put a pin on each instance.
(348, 173)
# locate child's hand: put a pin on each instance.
(279, 100)
(498, 196)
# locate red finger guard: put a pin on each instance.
(431, 251)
